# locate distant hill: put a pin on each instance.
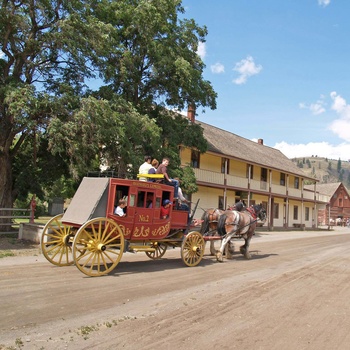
(325, 170)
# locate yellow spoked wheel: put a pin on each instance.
(56, 242)
(98, 247)
(192, 249)
(160, 250)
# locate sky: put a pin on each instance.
(281, 69)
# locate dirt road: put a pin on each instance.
(293, 294)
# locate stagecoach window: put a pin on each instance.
(121, 192)
(132, 200)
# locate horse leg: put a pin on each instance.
(244, 249)
(212, 248)
(220, 253)
(229, 249)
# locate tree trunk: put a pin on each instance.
(6, 200)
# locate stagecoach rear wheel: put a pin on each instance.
(56, 242)
(192, 249)
(98, 247)
(159, 251)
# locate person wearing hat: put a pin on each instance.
(165, 209)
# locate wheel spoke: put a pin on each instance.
(98, 247)
(55, 242)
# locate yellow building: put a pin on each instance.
(235, 168)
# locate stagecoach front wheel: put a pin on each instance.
(56, 242)
(98, 247)
(159, 251)
(192, 249)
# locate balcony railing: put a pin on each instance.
(217, 178)
(209, 176)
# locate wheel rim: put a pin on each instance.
(192, 249)
(160, 250)
(56, 242)
(98, 247)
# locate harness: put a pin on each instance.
(252, 212)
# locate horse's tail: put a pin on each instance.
(205, 223)
(221, 225)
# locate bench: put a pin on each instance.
(151, 176)
(302, 226)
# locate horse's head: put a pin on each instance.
(260, 212)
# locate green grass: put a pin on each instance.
(5, 253)
(41, 220)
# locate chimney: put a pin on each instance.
(191, 112)
(260, 141)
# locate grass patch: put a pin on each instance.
(5, 253)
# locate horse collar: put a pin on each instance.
(252, 212)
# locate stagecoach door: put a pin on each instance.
(147, 207)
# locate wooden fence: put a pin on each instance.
(9, 215)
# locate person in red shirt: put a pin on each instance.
(165, 209)
(162, 169)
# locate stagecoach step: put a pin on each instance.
(141, 248)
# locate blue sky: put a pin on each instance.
(281, 69)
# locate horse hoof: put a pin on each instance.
(219, 257)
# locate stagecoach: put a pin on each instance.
(90, 236)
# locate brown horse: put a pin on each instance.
(209, 227)
(235, 224)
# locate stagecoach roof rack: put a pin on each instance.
(111, 173)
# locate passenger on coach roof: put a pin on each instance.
(144, 167)
(153, 169)
(162, 169)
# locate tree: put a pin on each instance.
(145, 57)
(339, 165)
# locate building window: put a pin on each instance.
(221, 203)
(283, 179)
(340, 202)
(276, 210)
(251, 171)
(307, 214)
(225, 161)
(296, 183)
(295, 212)
(195, 157)
(263, 176)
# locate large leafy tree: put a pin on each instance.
(144, 57)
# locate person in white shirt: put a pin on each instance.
(144, 167)
(183, 202)
(119, 210)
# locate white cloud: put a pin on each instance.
(341, 126)
(217, 68)
(246, 68)
(324, 3)
(201, 50)
(1, 54)
(316, 108)
(320, 149)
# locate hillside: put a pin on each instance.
(325, 170)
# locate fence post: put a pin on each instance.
(32, 209)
